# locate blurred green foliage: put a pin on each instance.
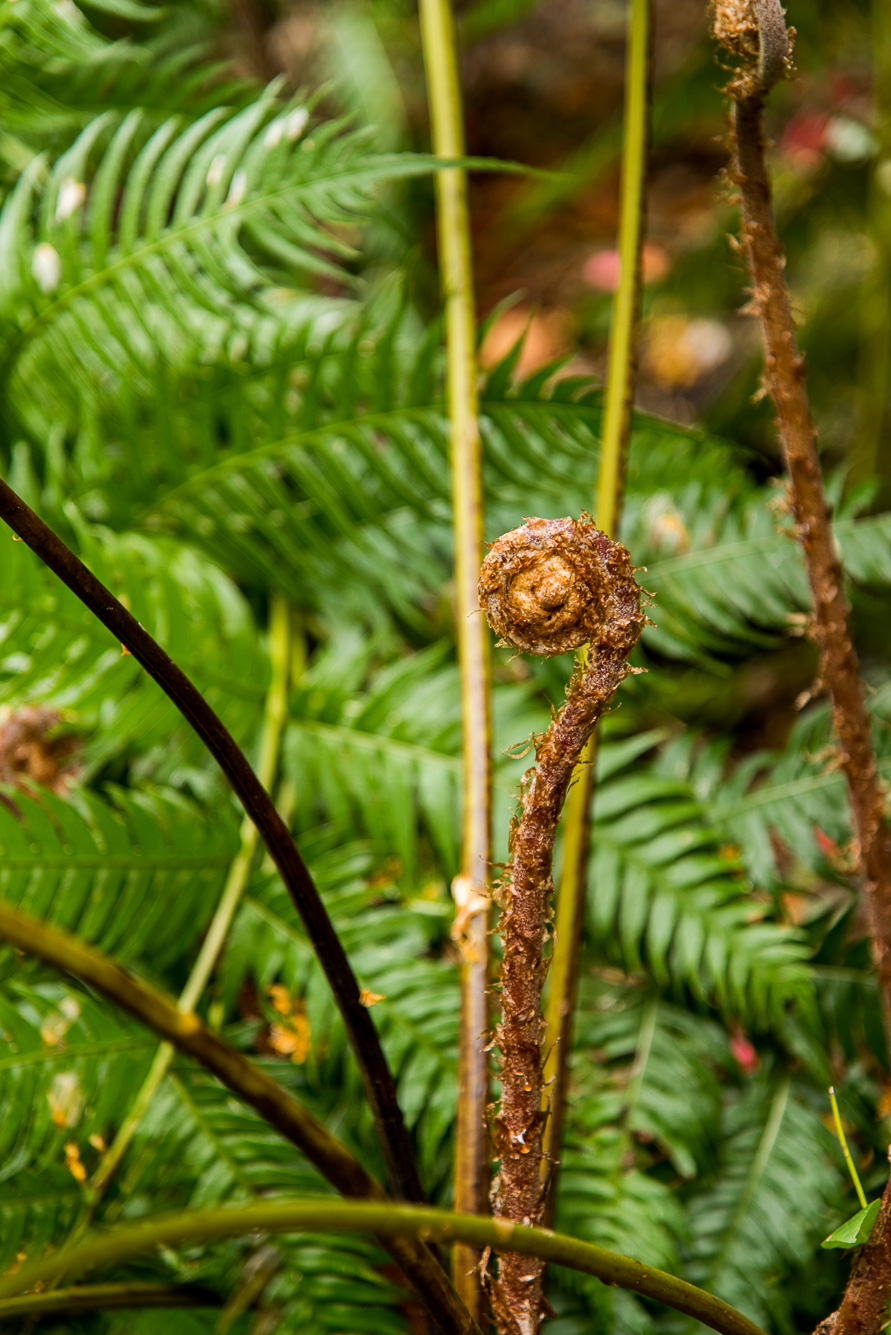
(222, 378)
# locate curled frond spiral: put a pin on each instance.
(553, 585)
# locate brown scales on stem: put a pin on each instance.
(546, 588)
(755, 31)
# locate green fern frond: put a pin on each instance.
(797, 793)
(775, 1196)
(199, 1146)
(218, 220)
(668, 897)
(67, 1066)
(353, 494)
(661, 1067)
(385, 760)
(375, 747)
(742, 588)
(54, 652)
(665, 897)
(392, 944)
(60, 71)
(36, 1208)
(138, 876)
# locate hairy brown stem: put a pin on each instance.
(785, 378)
(380, 1087)
(758, 33)
(547, 588)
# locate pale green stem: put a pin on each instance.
(622, 361)
(621, 368)
(840, 1132)
(471, 927)
(106, 1298)
(274, 716)
(385, 1220)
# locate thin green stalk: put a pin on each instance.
(107, 1298)
(274, 716)
(384, 1219)
(843, 1141)
(621, 369)
(472, 920)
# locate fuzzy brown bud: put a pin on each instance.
(553, 585)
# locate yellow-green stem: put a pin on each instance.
(106, 1298)
(621, 367)
(274, 716)
(444, 91)
(843, 1141)
(389, 1220)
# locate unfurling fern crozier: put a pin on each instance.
(547, 588)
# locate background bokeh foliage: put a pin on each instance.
(221, 365)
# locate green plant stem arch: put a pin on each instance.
(384, 1220)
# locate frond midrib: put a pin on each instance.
(96, 632)
(372, 741)
(134, 259)
(731, 551)
(757, 1170)
(249, 458)
(766, 794)
(68, 1051)
(99, 861)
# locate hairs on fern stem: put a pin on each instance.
(755, 31)
(546, 588)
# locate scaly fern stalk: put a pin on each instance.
(864, 1308)
(280, 1109)
(472, 921)
(785, 374)
(547, 588)
(621, 366)
(759, 35)
(274, 717)
(377, 1078)
(385, 1219)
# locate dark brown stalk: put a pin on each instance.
(380, 1088)
(280, 1109)
(756, 31)
(547, 588)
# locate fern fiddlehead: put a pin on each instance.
(546, 588)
